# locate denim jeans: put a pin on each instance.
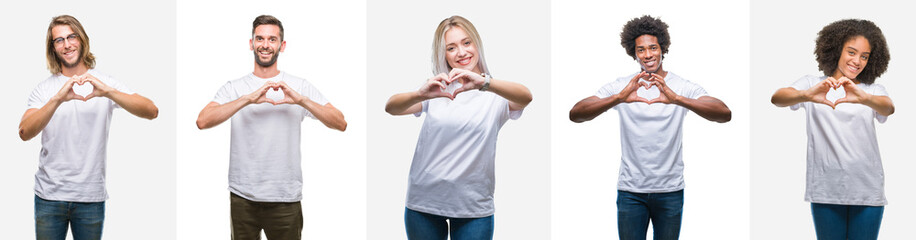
(853, 222)
(425, 226)
(53, 217)
(279, 220)
(635, 210)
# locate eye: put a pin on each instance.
(449, 49)
(467, 43)
(851, 53)
(58, 40)
(72, 37)
(654, 48)
(864, 57)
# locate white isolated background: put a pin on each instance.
(325, 44)
(783, 51)
(709, 46)
(515, 37)
(135, 45)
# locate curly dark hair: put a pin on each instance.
(831, 39)
(642, 26)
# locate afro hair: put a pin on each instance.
(831, 39)
(642, 26)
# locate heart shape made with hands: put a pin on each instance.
(834, 94)
(650, 93)
(83, 89)
(451, 88)
(275, 94)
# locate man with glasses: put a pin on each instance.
(267, 107)
(72, 109)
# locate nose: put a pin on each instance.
(462, 51)
(857, 60)
(645, 55)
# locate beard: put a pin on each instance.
(66, 64)
(271, 62)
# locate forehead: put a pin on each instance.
(61, 31)
(267, 30)
(646, 40)
(859, 43)
(455, 34)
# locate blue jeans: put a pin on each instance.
(52, 218)
(425, 226)
(635, 210)
(843, 222)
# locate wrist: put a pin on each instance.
(486, 82)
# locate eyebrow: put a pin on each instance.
(858, 50)
(462, 40)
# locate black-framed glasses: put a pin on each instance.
(72, 39)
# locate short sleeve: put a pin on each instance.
(693, 90)
(116, 85)
(879, 90)
(225, 94)
(37, 98)
(514, 115)
(310, 91)
(425, 106)
(607, 90)
(802, 83)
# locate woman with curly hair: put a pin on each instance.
(452, 173)
(845, 177)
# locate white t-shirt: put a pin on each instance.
(264, 154)
(650, 138)
(452, 173)
(71, 164)
(844, 164)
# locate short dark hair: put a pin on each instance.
(642, 26)
(267, 20)
(831, 39)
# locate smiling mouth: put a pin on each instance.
(265, 53)
(464, 61)
(70, 53)
(651, 63)
(852, 68)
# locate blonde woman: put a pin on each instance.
(452, 173)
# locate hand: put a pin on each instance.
(99, 89)
(66, 92)
(469, 80)
(260, 95)
(630, 90)
(435, 87)
(666, 95)
(854, 94)
(818, 92)
(290, 96)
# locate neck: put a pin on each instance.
(79, 69)
(266, 72)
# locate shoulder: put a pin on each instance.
(293, 79)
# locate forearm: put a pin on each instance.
(591, 107)
(401, 102)
(135, 104)
(881, 104)
(326, 114)
(516, 93)
(710, 108)
(214, 113)
(788, 96)
(35, 120)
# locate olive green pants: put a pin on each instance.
(279, 220)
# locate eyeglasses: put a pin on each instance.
(72, 39)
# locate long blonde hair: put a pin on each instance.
(86, 57)
(440, 65)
